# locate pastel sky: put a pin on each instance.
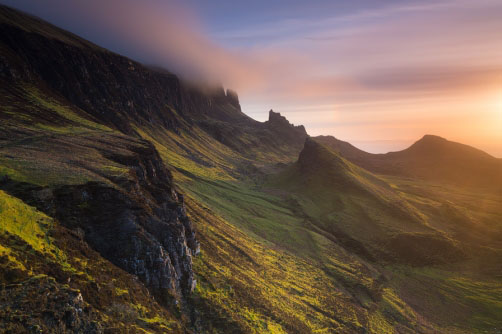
(379, 74)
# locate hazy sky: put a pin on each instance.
(379, 74)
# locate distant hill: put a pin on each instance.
(361, 210)
(432, 158)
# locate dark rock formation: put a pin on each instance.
(276, 120)
(138, 222)
(41, 305)
(233, 98)
(288, 132)
(142, 228)
(110, 87)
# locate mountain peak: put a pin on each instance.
(276, 117)
(432, 138)
(276, 120)
(233, 98)
(430, 142)
(316, 156)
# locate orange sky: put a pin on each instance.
(379, 74)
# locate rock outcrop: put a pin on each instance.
(277, 121)
(141, 227)
(137, 221)
(41, 305)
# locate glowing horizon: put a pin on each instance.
(379, 74)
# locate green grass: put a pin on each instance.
(51, 143)
(464, 301)
(195, 154)
(280, 219)
(43, 171)
(259, 289)
(266, 216)
(78, 124)
(27, 223)
(34, 229)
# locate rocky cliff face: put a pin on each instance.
(112, 88)
(142, 227)
(138, 222)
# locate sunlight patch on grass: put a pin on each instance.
(34, 95)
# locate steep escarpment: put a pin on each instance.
(111, 191)
(141, 227)
(126, 95)
(112, 88)
(198, 125)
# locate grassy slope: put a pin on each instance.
(271, 221)
(46, 142)
(336, 195)
(467, 293)
(249, 286)
(264, 266)
(283, 274)
(33, 247)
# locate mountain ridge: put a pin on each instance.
(431, 158)
(324, 177)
